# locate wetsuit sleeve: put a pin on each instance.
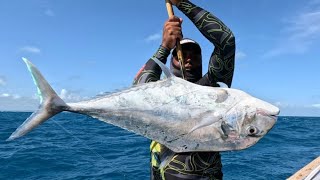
(221, 64)
(151, 71)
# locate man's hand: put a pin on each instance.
(176, 2)
(171, 32)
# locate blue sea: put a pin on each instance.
(72, 146)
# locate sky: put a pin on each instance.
(85, 48)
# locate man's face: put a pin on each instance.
(192, 58)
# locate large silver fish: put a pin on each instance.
(180, 115)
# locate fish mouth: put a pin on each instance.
(272, 115)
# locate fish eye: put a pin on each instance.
(251, 131)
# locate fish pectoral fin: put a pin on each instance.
(207, 119)
(226, 128)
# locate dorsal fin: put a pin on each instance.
(163, 67)
(222, 84)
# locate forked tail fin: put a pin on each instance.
(50, 104)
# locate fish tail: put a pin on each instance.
(50, 104)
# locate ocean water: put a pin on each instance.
(72, 146)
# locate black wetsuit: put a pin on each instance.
(195, 165)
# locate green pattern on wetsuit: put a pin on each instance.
(221, 64)
(196, 165)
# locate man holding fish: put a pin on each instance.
(166, 164)
(189, 120)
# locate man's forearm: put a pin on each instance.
(221, 63)
(209, 25)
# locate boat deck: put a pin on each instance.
(309, 172)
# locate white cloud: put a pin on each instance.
(10, 102)
(306, 27)
(49, 12)
(290, 105)
(240, 55)
(154, 37)
(283, 105)
(70, 96)
(316, 105)
(2, 81)
(5, 95)
(16, 96)
(300, 32)
(64, 94)
(290, 109)
(30, 49)
(15, 102)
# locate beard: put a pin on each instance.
(192, 75)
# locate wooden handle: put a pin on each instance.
(169, 8)
(178, 45)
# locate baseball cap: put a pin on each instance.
(190, 43)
